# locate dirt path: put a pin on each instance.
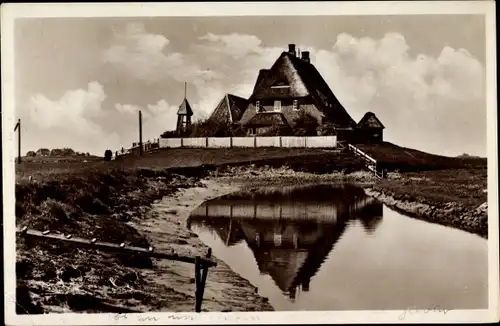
(165, 228)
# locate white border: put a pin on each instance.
(11, 11)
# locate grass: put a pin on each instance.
(453, 197)
(89, 203)
(464, 186)
(393, 157)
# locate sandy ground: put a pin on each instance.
(165, 228)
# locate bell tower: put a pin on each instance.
(184, 114)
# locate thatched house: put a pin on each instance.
(293, 88)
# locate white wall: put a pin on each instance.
(194, 142)
(268, 142)
(243, 141)
(222, 142)
(219, 141)
(293, 142)
(170, 142)
(321, 142)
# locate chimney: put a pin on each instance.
(305, 56)
(291, 49)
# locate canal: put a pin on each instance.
(330, 247)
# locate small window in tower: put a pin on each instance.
(277, 106)
(295, 105)
(257, 106)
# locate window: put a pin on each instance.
(257, 106)
(280, 84)
(295, 105)
(277, 106)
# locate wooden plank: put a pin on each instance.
(106, 246)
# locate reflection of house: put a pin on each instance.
(290, 89)
(289, 247)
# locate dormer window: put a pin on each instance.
(280, 84)
(257, 106)
(295, 105)
(277, 106)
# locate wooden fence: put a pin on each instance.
(250, 142)
(369, 161)
(201, 264)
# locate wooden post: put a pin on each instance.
(18, 128)
(140, 133)
(197, 279)
(201, 279)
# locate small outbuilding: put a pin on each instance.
(370, 129)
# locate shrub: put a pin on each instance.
(31, 154)
(327, 129)
(305, 125)
(108, 154)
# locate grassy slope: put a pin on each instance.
(89, 203)
(393, 157)
(455, 197)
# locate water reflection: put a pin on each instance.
(290, 231)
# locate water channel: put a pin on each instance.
(330, 247)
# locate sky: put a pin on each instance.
(80, 82)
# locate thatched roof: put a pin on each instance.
(229, 109)
(237, 106)
(185, 108)
(303, 80)
(370, 120)
(267, 119)
(260, 77)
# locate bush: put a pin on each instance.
(327, 129)
(31, 154)
(108, 154)
(305, 125)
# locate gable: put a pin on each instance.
(292, 77)
(185, 108)
(282, 73)
(229, 109)
(370, 120)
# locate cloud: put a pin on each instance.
(430, 103)
(433, 103)
(71, 121)
(143, 55)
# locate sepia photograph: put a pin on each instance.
(288, 162)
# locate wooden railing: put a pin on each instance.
(369, 161)
(202, 264)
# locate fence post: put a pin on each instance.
(281, 145)
(201, 272)
(206, 142)
(182, 142)
(254, 141)
(231, 142)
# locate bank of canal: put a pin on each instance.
(331, 247)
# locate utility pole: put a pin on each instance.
(140, 132)
(18, 128)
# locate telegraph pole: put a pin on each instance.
(18, 128)
(140, 133)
